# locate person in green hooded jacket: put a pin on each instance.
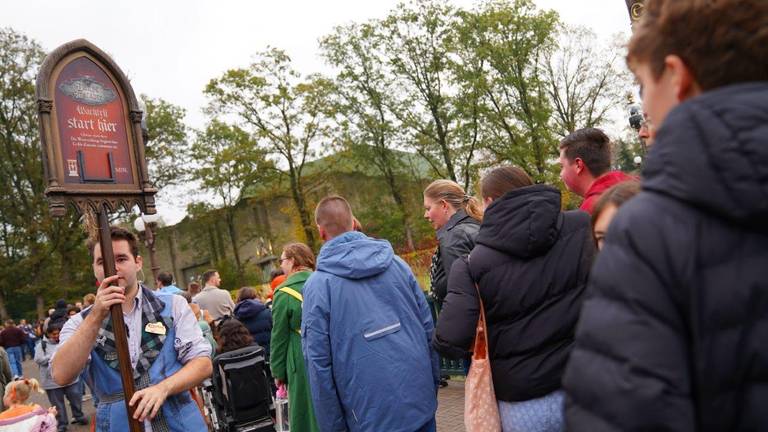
(287, 360)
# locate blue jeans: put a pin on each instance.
(31, 347)
(15, 356)
(75, 397)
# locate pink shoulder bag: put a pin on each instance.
(481, 411)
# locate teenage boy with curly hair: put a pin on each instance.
(673, 332)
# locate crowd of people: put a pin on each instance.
(38, 342)
(644, 309)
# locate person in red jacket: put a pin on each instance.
(585, 157)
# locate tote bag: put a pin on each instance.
(481, 411)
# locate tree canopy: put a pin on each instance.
(457, 89)
(41, 257)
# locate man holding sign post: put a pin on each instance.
(167, 349)
(142, 350)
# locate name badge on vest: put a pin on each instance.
(155, 328)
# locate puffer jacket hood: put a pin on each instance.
(248, 308)
(714, 154)
(353, 255)
(522, 223)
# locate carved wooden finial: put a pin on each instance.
(636, 9)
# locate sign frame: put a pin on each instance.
(93, 194)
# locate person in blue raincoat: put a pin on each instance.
(365, 333)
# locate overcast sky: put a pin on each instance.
(172, 48)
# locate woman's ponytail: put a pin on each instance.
(19, 390)
(453, 194)
(474, 208)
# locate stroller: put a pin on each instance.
(238, 397)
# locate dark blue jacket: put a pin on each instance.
(365, 334)
(258, 319)
(673, 334)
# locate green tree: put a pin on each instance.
(585, 79)
(416, 37)
(228, 160)
(625, 149)
(40, 256)
(508, 38)
(363, 97)
(475, 133)
(288, 116)
(168, 144)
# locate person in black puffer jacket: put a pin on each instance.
(456, 218)
(256, 317)
(531, 263)
(674, 331)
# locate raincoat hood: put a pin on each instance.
(353, 255)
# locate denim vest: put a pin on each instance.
(180, 411)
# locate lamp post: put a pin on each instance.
(146, 225)
(638, 160)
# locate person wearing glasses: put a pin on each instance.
(287, 360)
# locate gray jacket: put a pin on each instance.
(455, 239)
(216, 301)
(43, 352)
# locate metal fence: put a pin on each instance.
(448, 367)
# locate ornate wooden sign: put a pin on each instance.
(93, 155)
(635, 8)
(90, 132)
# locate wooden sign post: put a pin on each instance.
(93, 154)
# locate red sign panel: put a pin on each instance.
(91, 120)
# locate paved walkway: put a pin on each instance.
(450, 408)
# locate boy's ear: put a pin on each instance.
(322, 233)
(684, 81)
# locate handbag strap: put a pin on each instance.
(295, 294)
(481, 333)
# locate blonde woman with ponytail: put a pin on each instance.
(21, 416)
(456, 217)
